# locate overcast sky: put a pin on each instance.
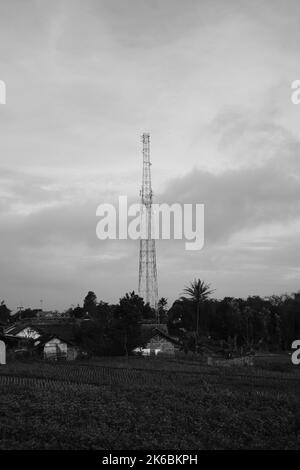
(210, 80)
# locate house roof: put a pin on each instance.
(17, 328)
(13, 340)
(64, 331)
(148, 334)
(42, 340)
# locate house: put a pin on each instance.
(49, 340)
(57, 348)
(35, 330)
(23, 331)
(157, 342)
(17, 346)
(14, 345)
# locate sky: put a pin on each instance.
(211, 82)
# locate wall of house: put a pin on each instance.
(159, 345)
(72, 353)
(2, 352)
(55, 348)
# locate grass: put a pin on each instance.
(117, 403)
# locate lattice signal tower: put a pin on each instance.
(147, 263)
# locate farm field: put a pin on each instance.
(117, 403)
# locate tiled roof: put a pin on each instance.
(65, 331)
(149, 333)
(15, 329)
(48, 337)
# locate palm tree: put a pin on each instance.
(198, 291)
(161, 309)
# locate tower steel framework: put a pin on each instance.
(147, 262)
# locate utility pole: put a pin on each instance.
(20, 308)
(147, 260)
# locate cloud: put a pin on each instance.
(261, 188)
(251, 217)
(210, 81)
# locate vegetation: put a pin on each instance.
(198, 293)
(162, 310)
(230, 324)
(4, 313)
(65, 406)
(255, 323)
(113, 329)
(119, 402)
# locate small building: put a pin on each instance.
(55, 348)
(50, 340)
(17, 346)
(23, 331)
(157, 343)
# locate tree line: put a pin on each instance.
(99, 327)
(196, 318)
(266, 323)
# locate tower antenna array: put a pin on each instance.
(147, 262)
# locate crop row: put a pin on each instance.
(57, 376)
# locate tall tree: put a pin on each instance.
(162, 310)
(77, 312)
(198, 292)
(90, 303)
(127, 324)
(148, 313)
(4, 313)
